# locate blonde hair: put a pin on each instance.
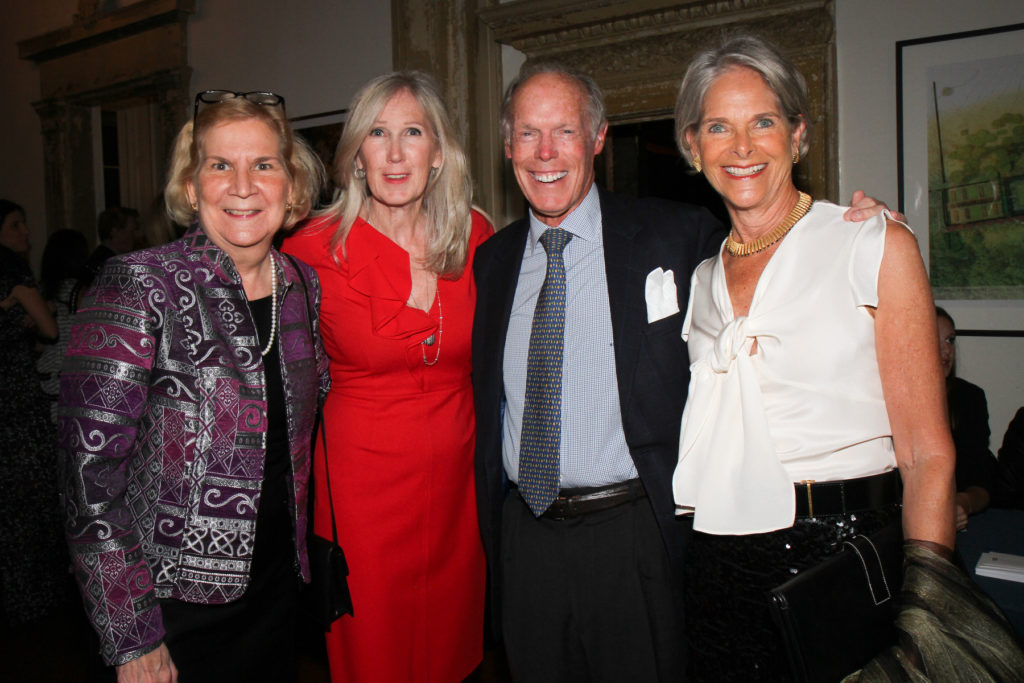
(449, 192)
(302, 166)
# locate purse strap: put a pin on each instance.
(318, 421)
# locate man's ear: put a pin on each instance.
(599, 138)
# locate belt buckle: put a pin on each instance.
(810, 496)
(563, 507)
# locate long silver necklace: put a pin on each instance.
(434, 338)
(273, 308)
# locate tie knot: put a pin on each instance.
(555, 239)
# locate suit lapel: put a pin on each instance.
(503, 276)
(625, 293)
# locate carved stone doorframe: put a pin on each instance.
(637, 51)
(133, 55)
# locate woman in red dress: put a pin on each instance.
(394, 255)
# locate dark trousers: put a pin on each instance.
(252, 638)
(236, 642)
(590, 598)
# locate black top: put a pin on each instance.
(968, 418)
(273, 522)
(1010, 481)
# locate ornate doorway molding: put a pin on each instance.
(125, 57)
(637, 51)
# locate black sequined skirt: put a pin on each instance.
(730, 632)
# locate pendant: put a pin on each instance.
(429, 341)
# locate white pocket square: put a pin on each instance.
(660, 293)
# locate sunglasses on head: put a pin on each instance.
(267, 99)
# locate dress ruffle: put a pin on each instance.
(379, 269)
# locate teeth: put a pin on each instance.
(549, 177)
(239, 212)
(751, 170)
(395, 176)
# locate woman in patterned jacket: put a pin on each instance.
(186, 409)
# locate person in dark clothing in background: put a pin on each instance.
(116, 228)
(968, 418)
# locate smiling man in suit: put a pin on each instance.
(575, 457)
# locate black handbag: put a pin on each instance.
(839, 614)
(326, 597)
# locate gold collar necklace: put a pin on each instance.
(764, 241)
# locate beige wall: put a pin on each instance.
(316, 52)
(867, 31)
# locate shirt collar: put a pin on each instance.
(584, 222)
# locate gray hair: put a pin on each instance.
(593, 109)
(756, 54)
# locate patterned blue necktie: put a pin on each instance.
(542, 412)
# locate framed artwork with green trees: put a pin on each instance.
(960, 117)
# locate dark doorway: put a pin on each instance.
(641, 159)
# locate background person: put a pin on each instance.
(1009, 491)
(32, 562)
(394, 253)
(63, 257)
(813, 360)
(187, 404)
(968, 419)
(117, 228)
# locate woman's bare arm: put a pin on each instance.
(908, 359)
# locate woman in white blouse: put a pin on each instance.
(814, 360)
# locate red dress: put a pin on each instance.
(400, 442)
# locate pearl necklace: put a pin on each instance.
(761, 243)
(273, 308)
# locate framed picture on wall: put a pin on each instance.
(960, 132)
(322, 132)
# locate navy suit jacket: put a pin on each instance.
(651, 363)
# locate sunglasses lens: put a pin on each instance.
(214, 96)
(265, 98)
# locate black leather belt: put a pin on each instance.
(576, 502)
(849, 495)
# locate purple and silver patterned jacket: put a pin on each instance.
(163, 421)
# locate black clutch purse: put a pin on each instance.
(326, 597)
(839, 614)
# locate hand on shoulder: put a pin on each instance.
(863, 207)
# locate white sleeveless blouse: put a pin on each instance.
(808, 404)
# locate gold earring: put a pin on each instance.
(288, 206)
(195, 206)
(796, 156)
(696, 164)
(360, 173)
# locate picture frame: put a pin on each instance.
(322, 132)
(960, 96)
